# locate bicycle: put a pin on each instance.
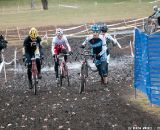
(34, 75)
(62, 69)
(84, 69)
(151, 25)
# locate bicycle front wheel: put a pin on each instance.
(83, 75)
(35, 83)
(66, 75)
(82, 85)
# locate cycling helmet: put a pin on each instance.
(95, 28)
(104, 28)
(33, 33)
(155, 8)
(59, 31)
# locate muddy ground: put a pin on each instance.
(99, 108)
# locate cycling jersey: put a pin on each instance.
(97, 44)
(32, 49)
(30, 46)
(109, 39)
(98, 47)
(58, 44)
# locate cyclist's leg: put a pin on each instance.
(56, 61)
(56, 64)
(0, 57)
(38, 62)
(64, 51)
(158, 21)
(104, 71)
(29, 72)
(99, 71)
(29, 67)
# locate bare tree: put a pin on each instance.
(45, 4)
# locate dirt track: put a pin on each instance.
(99, 108)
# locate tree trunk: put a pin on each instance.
(32, 4)
(45, 4)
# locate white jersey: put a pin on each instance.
(63, 41)
(109, 39)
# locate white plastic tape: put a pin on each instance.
(131, 49)
(72, 28)
(1, 66)
(117, 42)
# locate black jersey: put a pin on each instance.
(30, 46)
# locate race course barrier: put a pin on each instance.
(147, 65)
(18, 34)
(4, 63)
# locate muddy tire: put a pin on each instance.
(150, 27)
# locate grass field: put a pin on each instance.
(15, 13)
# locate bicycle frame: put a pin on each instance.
(62, 68)
(84, 69)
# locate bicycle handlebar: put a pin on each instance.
(33, 58)
(85, 53)
(60, 55)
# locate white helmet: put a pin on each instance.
(59, 31)
(155, 8)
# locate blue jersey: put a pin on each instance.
(98, 46)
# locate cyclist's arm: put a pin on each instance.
(25, 49)
(111, 39)
(67, 43)
(40, 46)
(104, 48)
(152, 15)
(157, 14)
(88, 38)
(52, 46)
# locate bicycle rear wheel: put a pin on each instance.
(150, 27)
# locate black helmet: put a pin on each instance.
(104, 28)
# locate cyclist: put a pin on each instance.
(98, 48)
(156, 14)
(109, 39)
(3, 44)
(32, 48)
(59, 45)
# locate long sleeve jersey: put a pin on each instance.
(63, 41)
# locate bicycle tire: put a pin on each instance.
(68, 79)
(35, 85)
(61, 75)
(82, 85)
(150, 27)
(83, 76)
(61, 80)
(66, 75)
